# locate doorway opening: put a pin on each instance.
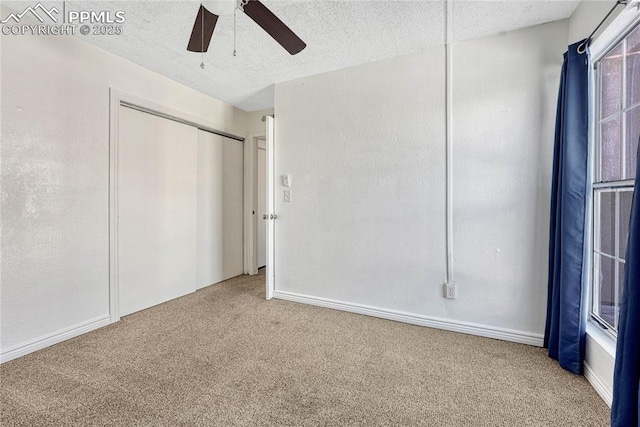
(261, 202)
(260, 212)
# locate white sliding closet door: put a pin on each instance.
(233, 184)
(157, 203)
(219, 216)
(210, 223)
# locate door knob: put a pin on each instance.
(264, 216)
(273, 216)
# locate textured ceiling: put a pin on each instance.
(338, 34)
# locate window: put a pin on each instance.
(617, 136)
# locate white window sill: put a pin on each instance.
(604, 340)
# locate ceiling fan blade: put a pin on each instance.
(202, 30)
(274, 26)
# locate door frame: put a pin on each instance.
(251, 214)
(261, 144)
(116, 98)
(271, 207)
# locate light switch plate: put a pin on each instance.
(287, 195)
(286, 180)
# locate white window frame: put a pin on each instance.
(608, 40)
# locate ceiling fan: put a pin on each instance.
(206, 22)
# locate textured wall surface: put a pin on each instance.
(504, 107)
(55, 176)
(253, 121)
(365, 148)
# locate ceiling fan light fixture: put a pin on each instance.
(221, 7)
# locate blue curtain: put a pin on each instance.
(566, 314)
(626, 378)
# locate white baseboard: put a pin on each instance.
(416, 319)
(53, 338)
(596, 382)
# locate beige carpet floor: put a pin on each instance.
(224, 356)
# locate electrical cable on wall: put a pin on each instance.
(448, 30)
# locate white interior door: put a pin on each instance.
(262, 204)
(157, 201)
(271, 218)
(219, 215)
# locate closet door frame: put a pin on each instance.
(119, 98)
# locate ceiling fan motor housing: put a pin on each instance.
(222, 7)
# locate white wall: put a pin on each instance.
(55, 178)
(365, 147)
(253, 123)
(504, 106)
(365, 150)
